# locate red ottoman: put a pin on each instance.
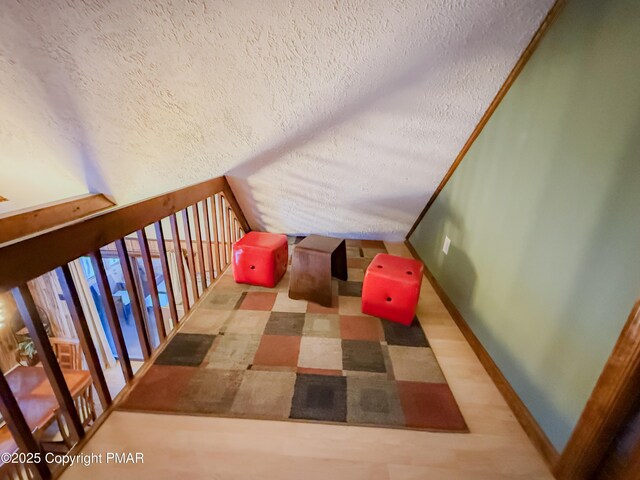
(260, 258)
(391, 288)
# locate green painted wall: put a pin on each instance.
(544, 214)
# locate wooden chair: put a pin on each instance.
(15, 471)
(67, 351)
(86, 410)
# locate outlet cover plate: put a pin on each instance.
(445, 246)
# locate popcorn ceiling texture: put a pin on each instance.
(330, 117)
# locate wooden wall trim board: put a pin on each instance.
(235, 206)
(610, 403)
(21, 223)
(32, 256)
(522, 61)
(521, 412)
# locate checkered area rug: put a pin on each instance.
(253, 352)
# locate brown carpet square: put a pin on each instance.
(360, 327)
(415, 364)
(206, 321)
(159, 388)
(313, 307)
(265, 394)
(222, 301)
(430, 405)
(278, 351)
(210, 391)
(258, 301)
(319, 371)
(232, 351)
(246, 322)
(285, 323)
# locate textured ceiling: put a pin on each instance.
(338, 117)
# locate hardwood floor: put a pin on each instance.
(220, 448)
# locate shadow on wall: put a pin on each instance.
(52, 82)
(323, 190)
(458, 276)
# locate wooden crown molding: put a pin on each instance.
(519, 409)
(511, 78)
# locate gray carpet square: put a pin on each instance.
(373, 400)
(406, 336)
(363, 356)
(320, 397)
(349, 289)
(186, 349)
(285, 323)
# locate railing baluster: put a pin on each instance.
(164, 261)
(111, 314)
(214, 229)
(207, 229)
(196, 226)
(228, 220)
(84, 335)
(38, 334)
(236, 234)
(191, 264)
(177, 247)
(20, 430)
(139, 316)
(151, 283)
(221, 239)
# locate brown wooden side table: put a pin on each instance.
(315, 260)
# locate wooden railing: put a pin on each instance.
(199, 224)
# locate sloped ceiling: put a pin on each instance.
(338, 117)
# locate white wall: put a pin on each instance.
(338, 117)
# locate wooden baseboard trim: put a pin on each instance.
(519, 409)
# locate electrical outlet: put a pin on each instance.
(445, 246)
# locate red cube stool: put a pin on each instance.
(391, 288)
(260, 258)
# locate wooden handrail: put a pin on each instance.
(29, 257)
